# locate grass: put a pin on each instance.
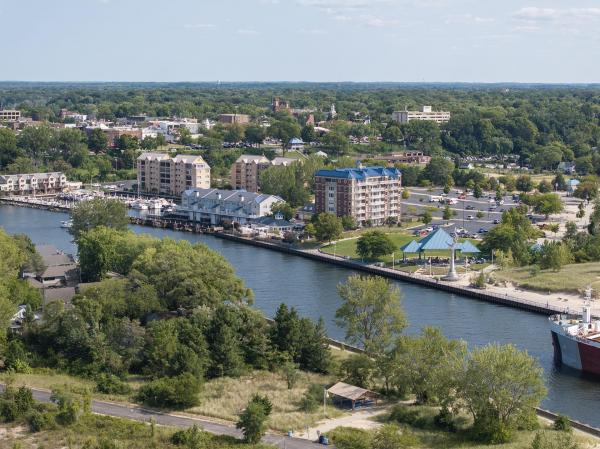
(573, 278)
(224, 398)
(95, 431)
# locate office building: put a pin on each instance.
(9, 115)
(424, 114)
(370, 195)
(161, 174)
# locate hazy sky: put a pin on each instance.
(312, 40)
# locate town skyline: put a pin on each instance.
(304, 40)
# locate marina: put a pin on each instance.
(310, 286)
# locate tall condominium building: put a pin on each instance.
(245, 172)
(9, 115)
(424, 114)
(160, 173)
(370, 194)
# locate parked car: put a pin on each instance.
(429, 228)
(470, 217)
(496, 221)
(469, 207)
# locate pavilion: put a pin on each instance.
(438, 240)
(344, 393)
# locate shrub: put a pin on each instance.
(554, 440)
(193, 437)
(253, 422)
(111, 384)
(312, 398)
(492, 431)
(404, 414)
(391, 436)
(39, 421)
(350, 438)
(445, 420)
(171, 392)
(562, 423)
(357, 370)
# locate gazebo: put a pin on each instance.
(354, 395)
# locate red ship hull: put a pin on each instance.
(576, 354)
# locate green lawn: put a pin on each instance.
(573, 278)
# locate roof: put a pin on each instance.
(149, 156)
(351, 392)
(467, 247)
(272, 221)
(296, 141)
(33, 282)
(411, 247)
(251, 158)
(32, 176)
(52, 256)
(573, 182)
(283, 161)
(359, 173)
(65, 294)
(230, 195)
(436, 240)
(60, 271)
(188, 158)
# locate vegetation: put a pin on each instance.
(98, 212)
(374, 244)
(253, 419)
(327, 226)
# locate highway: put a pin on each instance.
(138, 413)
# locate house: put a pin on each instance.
(572, 185)
(296, 144)
(272, 225)
(567, 167)
(32, 183)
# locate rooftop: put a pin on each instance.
(360, 173)
(229, 195)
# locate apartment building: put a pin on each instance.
(246, 170)
(32, 183)
(162, 174)
(424, 114)
(404, 157)
(9, 115)
(230, 119)
(370, 194)
(215, 206)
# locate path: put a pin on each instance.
(362, 419)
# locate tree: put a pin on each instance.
(371, 312)
(349, 223)
(328, 227)
(97, 141)
(286, 181)
(37, 141)
(479, 214)
(90, 214)
(547, 204)
(477, 191)
(255, 134)
(374, 244)
(524, 183)
(252, 421)
(553, 255)
(171, 392)
(308, 134)
(234, 133)
(405, 194)
(127, 142)
(501, 386)
(439, 171)
(426, 217)
(8, 147)
(559, 182)
(554, 440)
(284, 209)
(290, 374)
(544, 186)
(391, 436)
(448, 213)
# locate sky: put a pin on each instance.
(530, 41)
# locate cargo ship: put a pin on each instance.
(576, 339)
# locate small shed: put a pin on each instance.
(355, 396)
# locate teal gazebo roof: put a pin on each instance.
(467, 247)
(437, 240)
(411, 247)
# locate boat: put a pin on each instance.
(576, 339)
(66, 224)
(139, 205)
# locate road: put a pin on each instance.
(174, 420)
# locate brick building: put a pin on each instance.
(370, 194)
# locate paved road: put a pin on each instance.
(173, 420)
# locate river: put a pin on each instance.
(310, 286)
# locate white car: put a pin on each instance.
(470, 217)
(429, 229)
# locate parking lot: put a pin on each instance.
(465, 209)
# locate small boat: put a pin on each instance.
(67, 224)
(139, 206)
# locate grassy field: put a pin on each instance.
(224, 398)
(572, 278)
(95, 431)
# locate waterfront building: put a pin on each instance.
(246, 170)
(370, 195)
(32, 183)
(162, 174)
(9, 115)
(426, 113)
(216, 206)
(230, 119)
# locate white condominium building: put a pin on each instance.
(159, 173)
(32, 183)
(425, 114)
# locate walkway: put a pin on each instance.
(359, 420)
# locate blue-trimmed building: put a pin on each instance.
(369, 194)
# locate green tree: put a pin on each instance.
(255, 134)
(439, 171)
(374, 244)
(405, 194)
(284, 209)
(234, 133)
(127, 142)
(87, 215)
(501, 386)
(8, 147)
(553, 255)
(477, 191)
(426, 217)
(554, 440)
(559, 182)
(253, 420)
(171, 392)
(448, 213)
(349, 223)
(308, 134)
(328, 227)
(359, 370)
(547, 204)
(287, 182)
(371, 312)
(97, 141)
(524, 183)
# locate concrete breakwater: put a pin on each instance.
(481, 294)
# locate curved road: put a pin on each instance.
(138, 413)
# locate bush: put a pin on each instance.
(391, 436)
(445, 420)
(39, 421)
(312, 398)
(171, 392)
(357, 370)
(562, 423)
(404, 414)
(253, 421)
(111, 384)
(492, 431)
(350, 438)
(193, 437)
(554, 440)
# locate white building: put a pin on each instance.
(32, 183)
(424, 114)
(214, 206)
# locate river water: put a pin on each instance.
(310, 286)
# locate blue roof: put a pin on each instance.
(359, 173)
(467, 247)
(573, 182)
(436, 240)
(296, 141)
(411, 247)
